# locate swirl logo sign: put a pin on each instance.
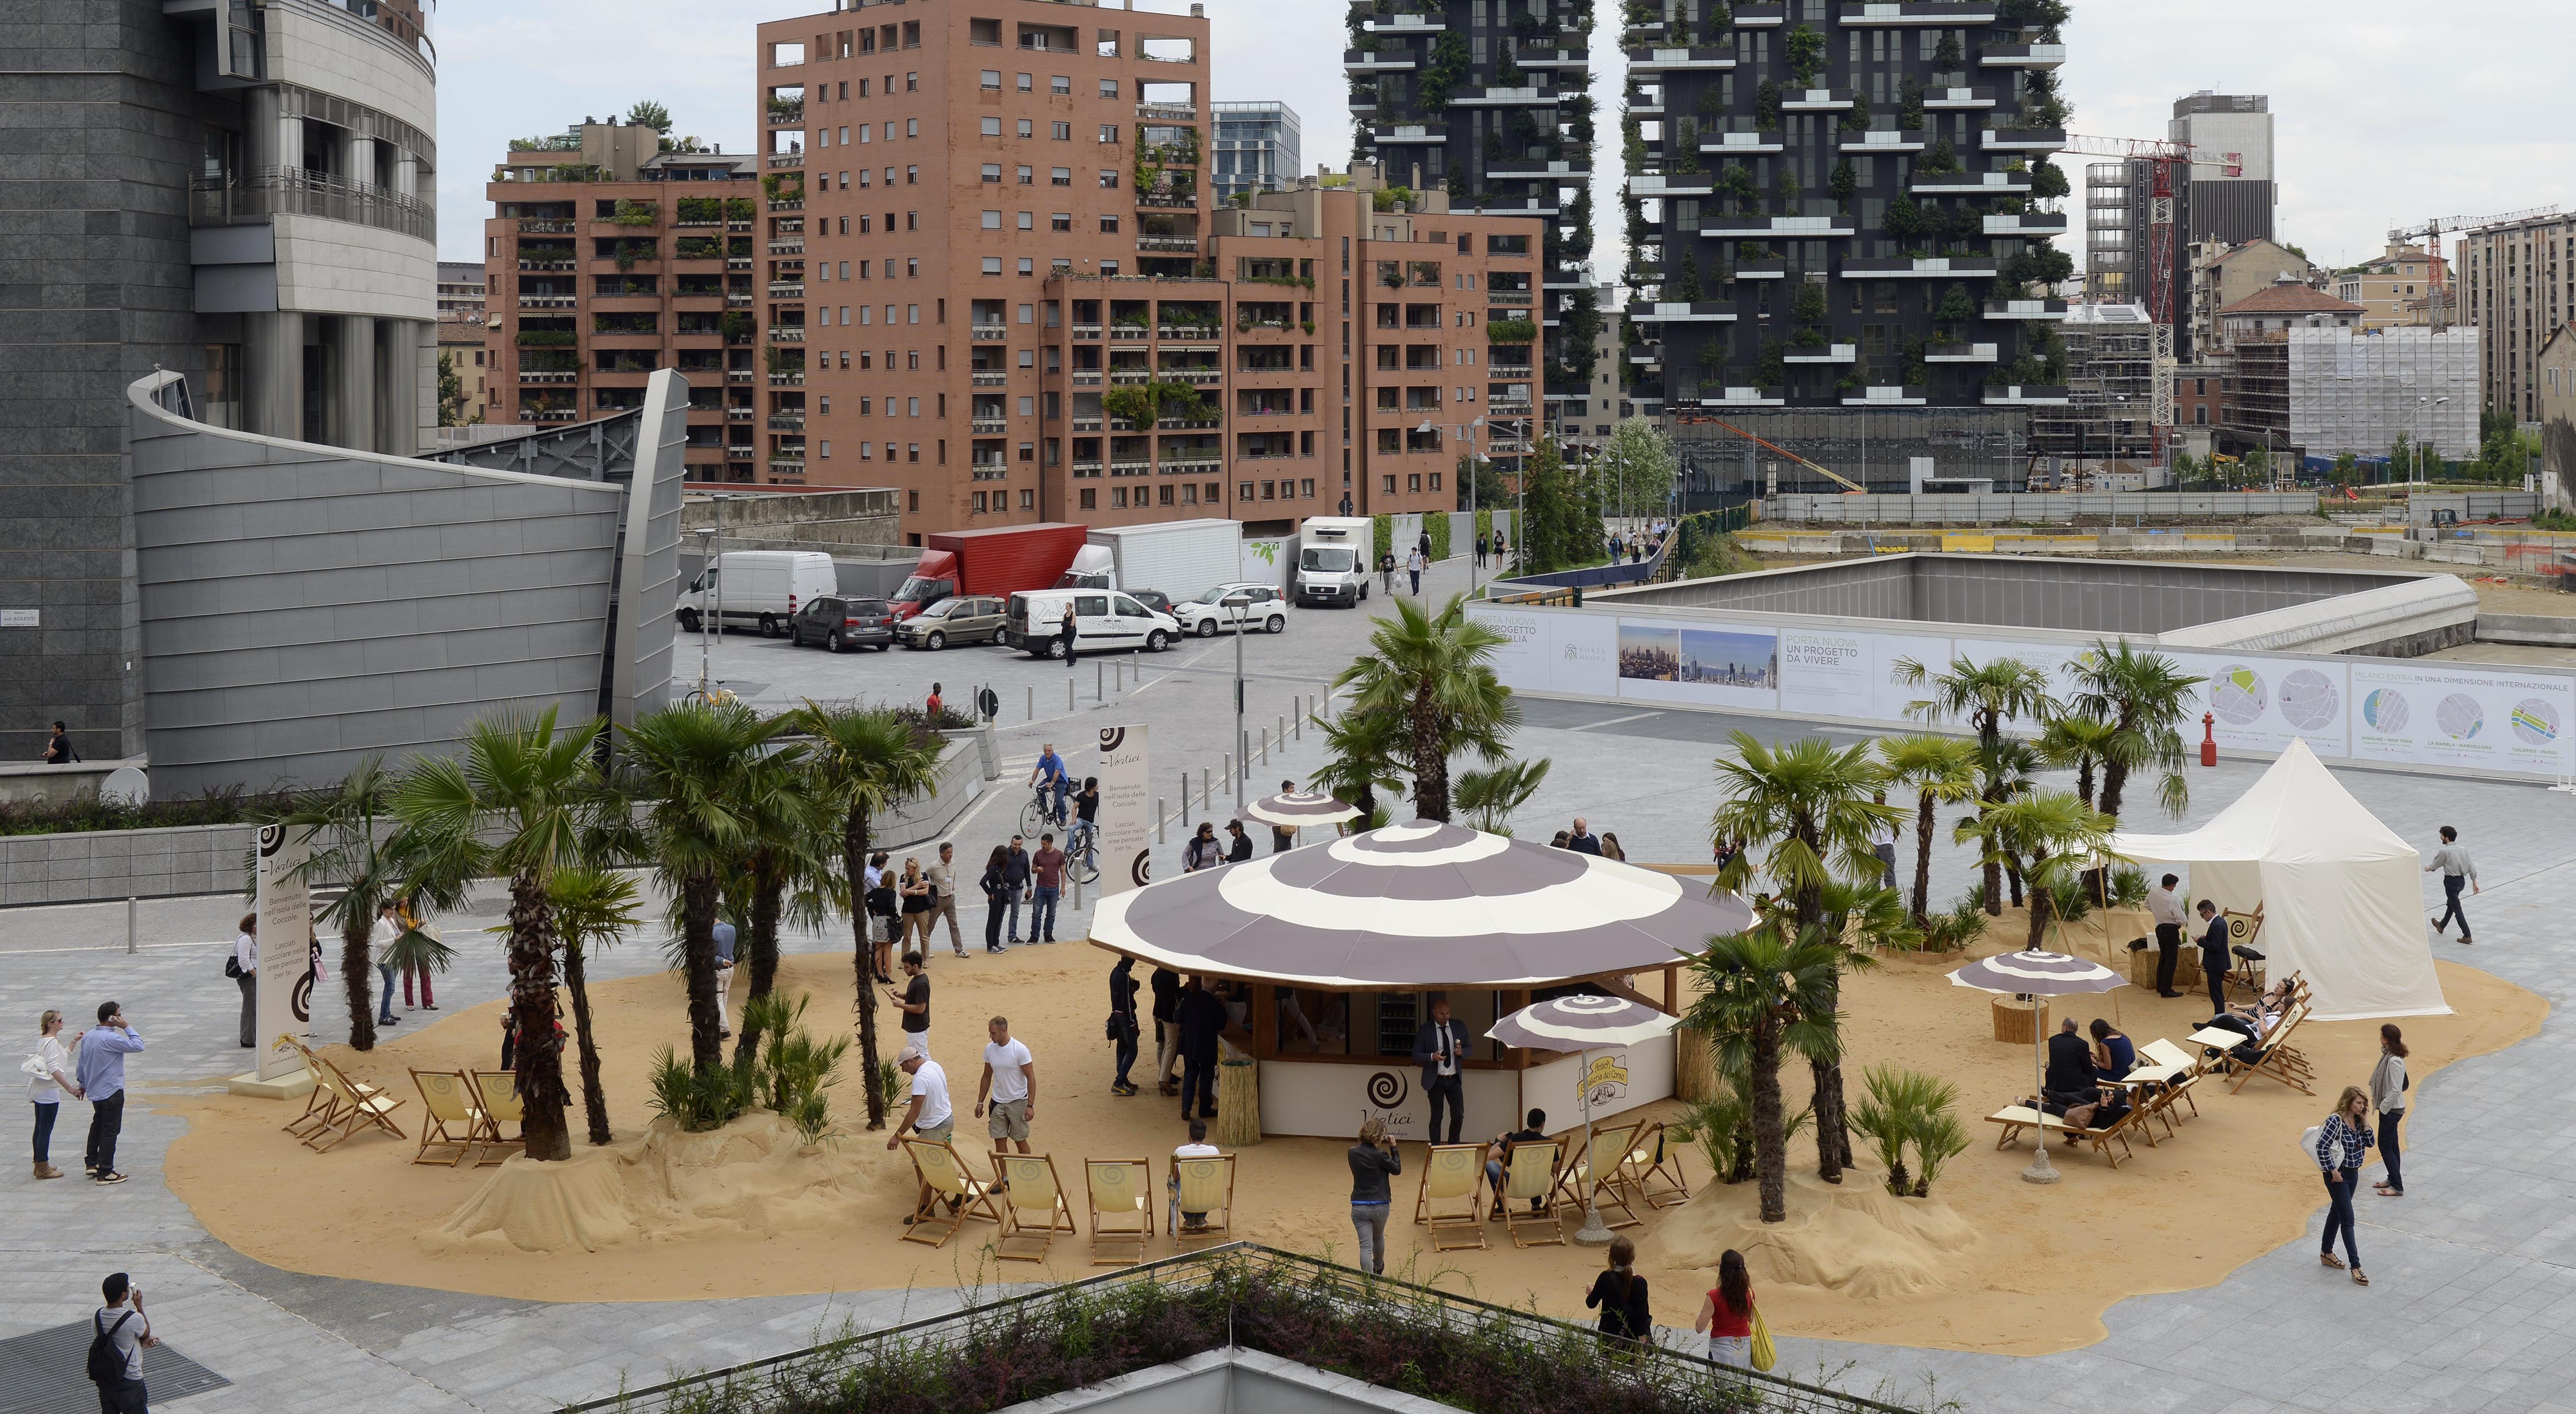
(1112, 738)
(271, 839)
(1141, 868)
(1387, 1090)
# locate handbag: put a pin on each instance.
(232, 966)
(1765, 1355)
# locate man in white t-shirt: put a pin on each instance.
(1197, 1148)
(928, 1116)
(1011, 1079)
(122, 1321)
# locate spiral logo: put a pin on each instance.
(1112, 738)
(1141, 869)
(271, 839)
(1386, 1089)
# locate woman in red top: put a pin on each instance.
(1727, 1314)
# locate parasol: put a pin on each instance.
(1296, 809)
(2037, 974)
(1579, 1024)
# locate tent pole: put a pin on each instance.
(1592, 1233)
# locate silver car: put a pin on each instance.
(962, 618)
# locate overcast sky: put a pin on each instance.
(2385, 113)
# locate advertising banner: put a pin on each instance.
(2263, 704)
(1126, 823)
(1332, 1099)
(1703, 665)
(1582, 653)
(2439, 714)
(2052, 658)
(284, 997)
(1521, 661)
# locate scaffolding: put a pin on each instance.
(2357, 391)
(2110, 390)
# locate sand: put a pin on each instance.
(1987, 1263)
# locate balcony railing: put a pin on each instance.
(787, 159)
(991, 332)
(787, 380)
(1179, 245)
(1180, 112)
(781, 421)
(548, 301)
(990, 378)
(266, 192)
(787, 333)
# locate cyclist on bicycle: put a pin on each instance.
(1051, 775)
(1086, 828)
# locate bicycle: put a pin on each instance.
(1084, 851)
(1042, 813)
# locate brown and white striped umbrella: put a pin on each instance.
(1418, 905)
(1296, 809)
(2037, 974)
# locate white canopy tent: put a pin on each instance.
(2342, 895)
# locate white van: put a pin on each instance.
(1104, 621)
(1333, 560)
(762, 589)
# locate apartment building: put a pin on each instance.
(1018, 301)
(607, 258)
(1259, 147)
(2223, 275)
(2395, 287)
(2110, 388)
(2557, 380)
(1489, 103)
(460, 288)
(462, 348)
(2517, 284)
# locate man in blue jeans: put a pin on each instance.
(103, 1050)
(1046, 868)
(1051, 776)
(1015, 884)
(129, 1332)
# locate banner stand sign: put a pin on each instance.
(283, 997)
(1126, 826)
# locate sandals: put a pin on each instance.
(2331, 1260)
(2358, 1279)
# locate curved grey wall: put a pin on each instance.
(304, 605)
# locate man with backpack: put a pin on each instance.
(119, 1334)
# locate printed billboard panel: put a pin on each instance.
(1699, 664)
(2262, 704)
(2439, 714)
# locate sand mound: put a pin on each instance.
(753, 1178)
(1855, 1239)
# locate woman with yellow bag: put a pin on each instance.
(1736, 1333)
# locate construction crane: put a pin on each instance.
(1851, 487)
(2165, 161)
(2431, 234)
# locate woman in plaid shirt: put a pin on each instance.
(2342, 1143)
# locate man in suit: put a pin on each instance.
(1439, 1048)
(1202, 1021)
(2213, 955)
(2165, 906)
(2069, 1078)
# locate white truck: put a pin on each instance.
(1333, 555)
(762, 589)
(1178, 558)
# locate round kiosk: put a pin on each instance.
(1341, 947)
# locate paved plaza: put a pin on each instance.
(2473, 1306)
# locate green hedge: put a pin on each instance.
(1438, 528)
(1381, 535)
(229, 805)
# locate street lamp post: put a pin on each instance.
(706, 622)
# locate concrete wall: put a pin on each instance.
(36, 780)
(321, 46)
(341, 267)
(304, 606)
(830, 521)
(2112, 507)
(112, 864)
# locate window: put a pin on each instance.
(1109, 88)
(1243, 490)
(911, 177)
(1028, 500)
(1060, 83)
(992, 220)
(1389, 487)
(911, 82)
(1060, 176)
(1028, 176)
(1108, 225)
(1090, 499)
(993, 172)
(1025, 83)
(1060, 221)
(1028, 265)
(1025, 128)
(992, 265)
(1109, 134)
(993, 79)
(1061, 132)
(1028, 221)
(912, 127)
(1108, 179)
(992, 127)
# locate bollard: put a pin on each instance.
(1033, 702)
(1203, 792)
(1283, 733)
(1068, 692)
(1159, 836)
(1265, 746)
(1227, 761)
(1099, 683)
(1300, 718)
(130, 929)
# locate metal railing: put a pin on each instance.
(1226, 1297)
(264, 192)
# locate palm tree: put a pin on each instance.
(2079, 744)
(1491, 797)
(788, 871)
(694, 767)
(1986, 697)
(1362, 747)
(2052, 833)
(2146, 698)
(1941, 770)
(1806, 807)
(2010, 768)
(1766, 996)
(863, 764)
(347, 816)
(1436, 672)
(527, 801)
(592, 908)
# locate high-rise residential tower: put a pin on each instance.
(241, 194)
(1258, 148)
(2517, 284)
(1487, 101)
(2232, 188)
(1847, 209)
(610, 258)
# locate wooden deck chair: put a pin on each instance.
(1654, 1157)
(1204, 1187)
(1530, 1179)
(2017, 1118)
(1122, 1212)
(321, 1103)
(455, 1119)
(1453, 1175)
(497, 1092)
(1607, 1186)
(2167, 1105)
(359, 1107)
(2279, 1059)
(955, 1194)
(1033, 1206)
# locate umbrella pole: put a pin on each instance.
(2039, 1170)
(1592, 1233)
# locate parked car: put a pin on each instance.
(967, 618)
(841, 624)
(1104, 619)
(1254, 606)
(1153, 599)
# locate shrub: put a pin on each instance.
(793, 1069)
(225, 805)
(698, 1099)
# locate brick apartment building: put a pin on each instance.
(990, 260)
(607, 258)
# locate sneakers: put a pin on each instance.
(111, 1177)
(1123, 1089)
(389, 1021)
